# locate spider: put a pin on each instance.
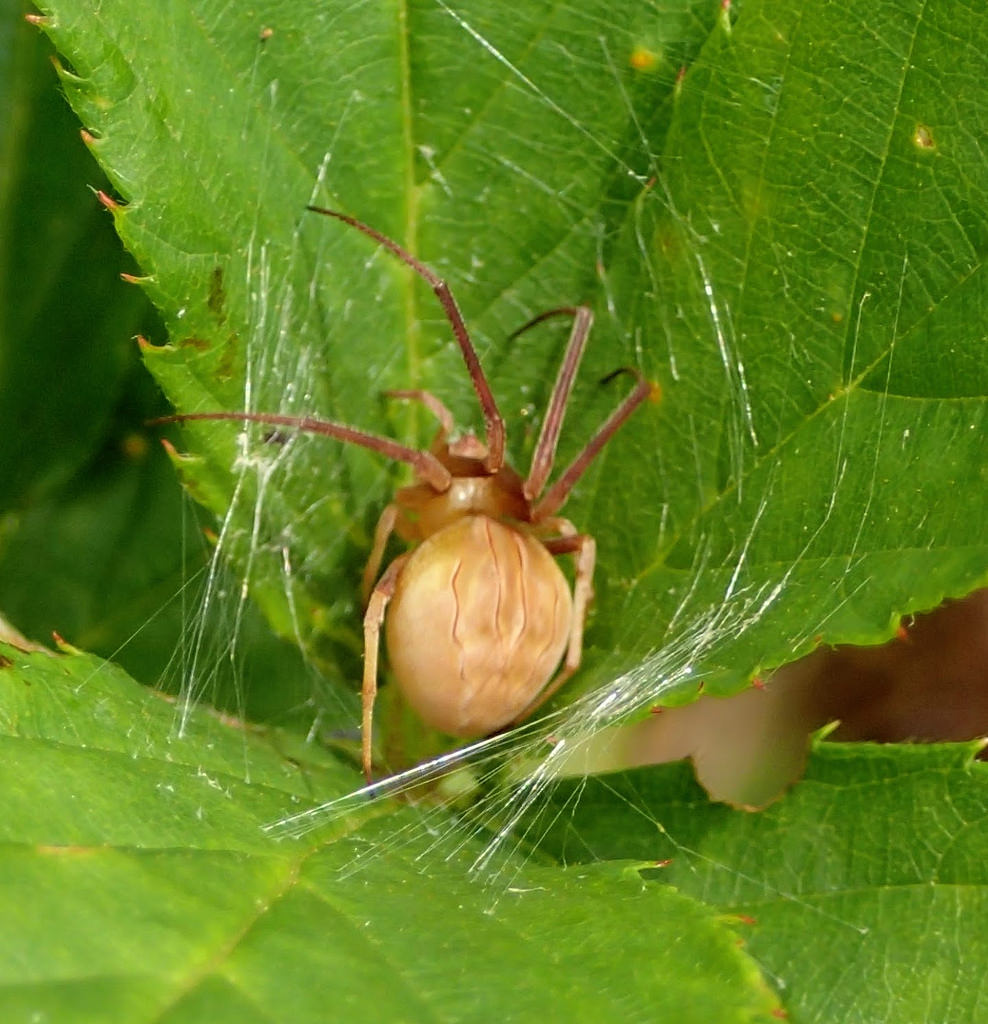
(480, 623)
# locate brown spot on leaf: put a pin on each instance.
(228, 358)
(217, 295)
(923, 138)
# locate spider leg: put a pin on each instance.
(557, 494)
(373, 617)
(493, 422)
(425, 464)
(545, 450)
(383, 530)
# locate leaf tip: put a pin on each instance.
(108, 201)
(88, 138)
(63, 645)
(725, 16)
(66, 75)
(148, 349)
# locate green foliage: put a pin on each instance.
(790, 239)
(742, 235)
(73, 390)
(866, 885)
(143, 888)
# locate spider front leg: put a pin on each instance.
(585, 548)
(373, 617)
(389, 517)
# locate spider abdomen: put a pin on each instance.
(479, 621)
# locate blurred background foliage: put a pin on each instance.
(97, 541)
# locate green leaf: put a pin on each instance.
(66, 319)
(742, 235)
(138, 883)
(91, 530)
(96, 542)
(824, 235)
(866, 885)
(791, 241)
